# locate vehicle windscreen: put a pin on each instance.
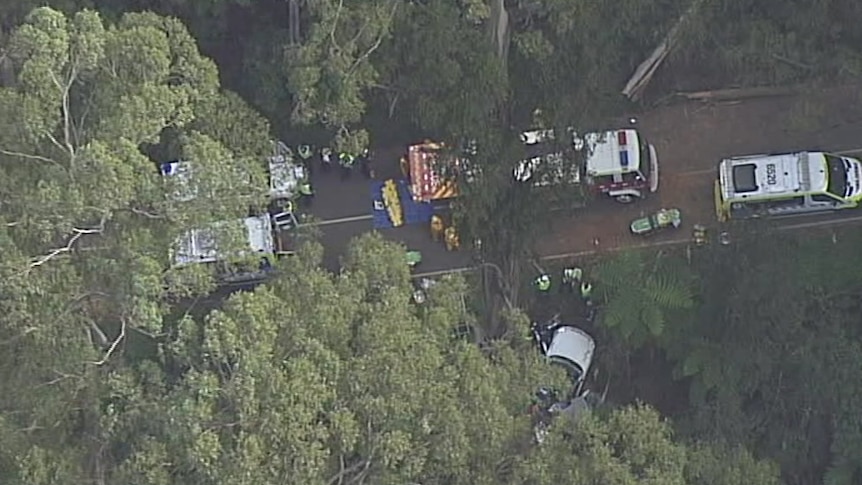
(574, 370)
(646, 163)
(837, 176)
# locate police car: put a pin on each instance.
(786, 184)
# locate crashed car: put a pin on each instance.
(567, 346)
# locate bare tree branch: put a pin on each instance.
(78, 233)
(114, 345)
(100, 335)
(380, 38)
(67, 115)
(33, 427)
(335, 25)
(30, 157)
(146, 214)
(61, 376)
(339, 477)
(55, 142)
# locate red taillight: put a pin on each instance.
(621, 137)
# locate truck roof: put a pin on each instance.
(284, 175)
(427, 180)
(611, 152)
(760, 176)
(200, 246)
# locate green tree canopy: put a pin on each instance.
(86, 223)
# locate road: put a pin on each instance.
(690, 139)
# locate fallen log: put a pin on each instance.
(643, 74)
(735, 94)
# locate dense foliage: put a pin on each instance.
(337, 378)
(769, 353)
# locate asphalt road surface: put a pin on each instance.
(690, 138)
(342, 210)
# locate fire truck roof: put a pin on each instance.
(611, 152)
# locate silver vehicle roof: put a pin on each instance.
(574, 346)
(200, 246)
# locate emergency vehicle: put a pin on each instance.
(251, 259)
(618, 163)
(567, 346)
(786, 184)
(285, 174)
(434, 172)
(263, 235)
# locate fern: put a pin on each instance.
(639, 291)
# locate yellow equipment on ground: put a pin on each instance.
(392, 203)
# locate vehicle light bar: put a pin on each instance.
(624, 158)
(621, 138)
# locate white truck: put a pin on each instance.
(285, 174)
(241, 250)
(254, 241)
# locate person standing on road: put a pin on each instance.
(365, 163)
(543, 284)
(346, 160)
(306, 193)
(571, 278)
(587, 292)
(437, 227)
(305, 153)
(326, 158)
(451, 238)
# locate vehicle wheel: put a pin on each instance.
(625, 199)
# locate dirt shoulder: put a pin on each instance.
(691, 138)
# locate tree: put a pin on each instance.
(580, 54)
(633, 445)
(319, 378)
(443, 74)
(774, 343)
(87, 225)
(639, 290)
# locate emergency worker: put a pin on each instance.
(587, 292)
(365, 163)
(437, 227)
(451, 237)
(543, 283)
(304, 152)
(305, 191)
(326, 158)
(347, 161)
(571, 277)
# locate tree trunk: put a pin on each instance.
(293, 24)
(643, 74)
(499, 29)
(740, 93)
